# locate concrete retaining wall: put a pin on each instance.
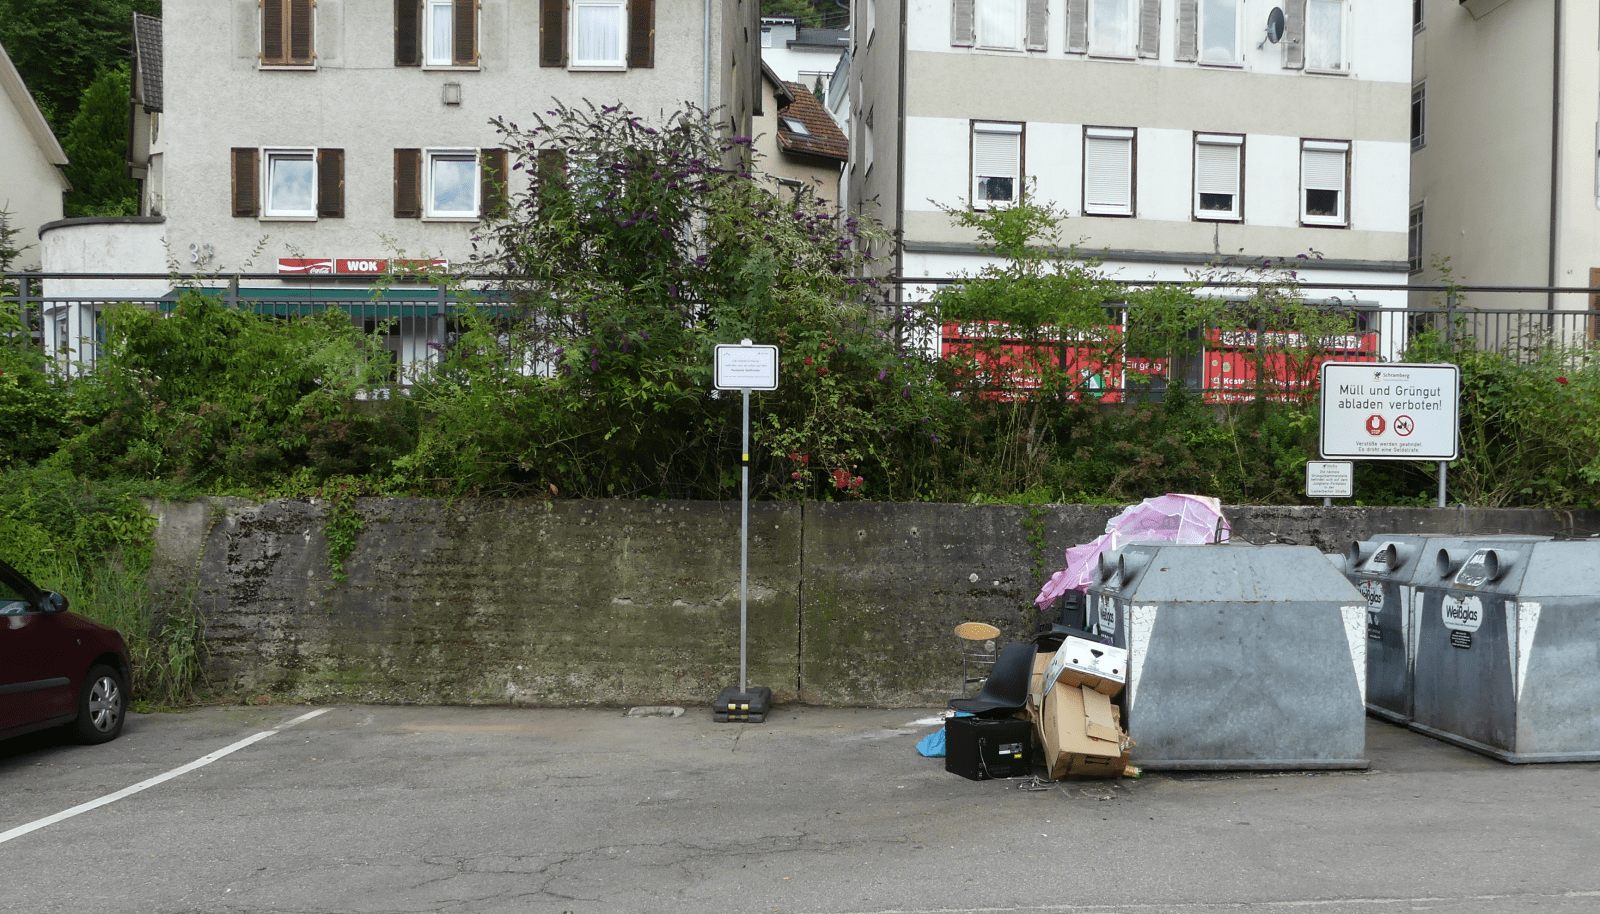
(637, 602)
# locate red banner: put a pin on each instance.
(1231, 359)
(341, 266)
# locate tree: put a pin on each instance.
(96, 147)
(61, 46)
(637, 248)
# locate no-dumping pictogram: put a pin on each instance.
(1404, 425)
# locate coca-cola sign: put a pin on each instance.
(354, 266)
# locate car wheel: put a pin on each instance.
(102, 704)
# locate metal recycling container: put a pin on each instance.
(1508, 650)
(1239, 656)
(1387, 570)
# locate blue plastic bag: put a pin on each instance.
(932, 745)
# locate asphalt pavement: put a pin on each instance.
(817, 811)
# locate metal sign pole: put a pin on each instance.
(1444, 472)
(744, 536)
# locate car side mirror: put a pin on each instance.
(55, 603)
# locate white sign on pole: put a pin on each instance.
(1330, 479)
(746, 367)
(1390, 411)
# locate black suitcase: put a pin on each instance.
(981, 748)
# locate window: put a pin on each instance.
(1111, 28)
(288, 28)
(449, 183)
(1218, 167)
(1219, 31)
(1108, 171)
(1414, 240)
(1419, 115)
(1325, 35)
(794, 125)
(1324, 182)
(450, 33)
(1000, 24)
(766, 37)
(288, 183)
(1416, 15)
(996, 163)
(598, 34)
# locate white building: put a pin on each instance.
(801, 54)
(1504, 136)
(318, 141)
(31, 183)
(1176, 133)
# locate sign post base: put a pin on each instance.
(733, 705)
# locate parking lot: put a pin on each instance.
(405, 809)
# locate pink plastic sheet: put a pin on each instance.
(1163, 519)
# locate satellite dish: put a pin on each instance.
(1275, 25)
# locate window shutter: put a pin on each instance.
(1323, 169)
(246, 175)
(963, 23)
(1038, 23)
(1150, 28)
(1294, 35)
(642, 34)
(272, 32)
(1077, 26)
(1216, 168)
(407, 183)
(1188, 30)
(996, 155)
(492, 183)
(465, 25)
(1108, 175)
(330, 183)
(408, 33)
(301, 46)
(552, 33)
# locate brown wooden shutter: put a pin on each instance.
(246, 176)
(1294, 35)
(330, 183)
(1077, 26)
(1038, 22)
(1188, 30)
(641, 33)
(492, 183)
(552, 33)
(466, 33)
(408, 33)
(302, 49)
(407, 183)
(1150, 28)
(963, 24)
(272, 45)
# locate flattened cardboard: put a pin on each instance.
(1098, 721)
(1078, 662)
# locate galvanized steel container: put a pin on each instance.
(1240, 656)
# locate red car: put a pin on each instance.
(57, 668)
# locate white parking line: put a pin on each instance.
(109, 798)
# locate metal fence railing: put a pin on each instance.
(62, 314)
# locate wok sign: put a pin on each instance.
(1390, 411)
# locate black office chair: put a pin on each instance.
(1006, 690)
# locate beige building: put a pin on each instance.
(1175, 133)
(31, 183)
(797, 141)
(318, 141)
(1505, 129)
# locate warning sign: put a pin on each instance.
(1390, 411)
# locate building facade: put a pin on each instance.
(1505, 129)
(1176, 134)
(31, 184)
(320, 141)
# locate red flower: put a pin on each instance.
(1561, 380)
(822, 371)
(795, 475)
(808, 360)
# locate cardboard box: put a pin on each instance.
(1077, 662)
(1070, 719)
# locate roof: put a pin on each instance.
(13, 86)
(822, 137)
(146, 83)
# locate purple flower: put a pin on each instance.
(594, 364)
(883, 374)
